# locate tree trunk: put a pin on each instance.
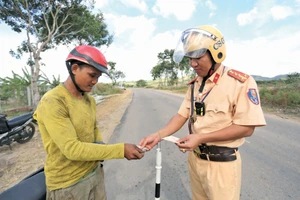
(34, 84)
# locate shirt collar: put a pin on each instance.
(215, 76)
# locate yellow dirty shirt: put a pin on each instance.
(69, 129)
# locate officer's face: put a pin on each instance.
(201, 65)
(86, 76)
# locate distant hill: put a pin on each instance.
(262, 78)
(256, 77)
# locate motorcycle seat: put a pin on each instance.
(17, 121)
(32, 187)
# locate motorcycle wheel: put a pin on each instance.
(30, 129)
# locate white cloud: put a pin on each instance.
(181, 9)
(139, 4)
(131, 29)
(211, 14)
(211, 6)
(137, 61)
(264, 11)
(135, 48)
(247, 18)
(267, 56)
(281, 12)
(102, 3)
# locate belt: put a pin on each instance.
(216, 153)
(91, 173)
(212, 149)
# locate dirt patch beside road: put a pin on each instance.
(27, 158)
(110, 112)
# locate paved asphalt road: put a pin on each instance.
(271, 161)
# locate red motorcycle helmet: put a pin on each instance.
(89, 55)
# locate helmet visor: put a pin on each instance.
(193, 43)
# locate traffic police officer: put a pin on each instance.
(222, 107)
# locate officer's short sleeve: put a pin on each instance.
(247, 110)
(184, 109)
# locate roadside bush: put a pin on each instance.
(141, 83)
(294, 98)
(280, 94)
(105, 89)
(266, 97)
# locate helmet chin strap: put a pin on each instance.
(73, 78)
(212, 68)
(210, 72)
(74, 82)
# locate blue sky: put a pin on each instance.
(262, 37)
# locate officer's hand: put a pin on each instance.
(150, 141)
(132, 152)
(189, 142)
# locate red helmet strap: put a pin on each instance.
(69, 66)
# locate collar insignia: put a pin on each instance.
(216, 78)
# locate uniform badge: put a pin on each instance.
(253, 97)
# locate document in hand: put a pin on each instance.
(171, 138)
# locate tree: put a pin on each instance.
(293, 77)
(5, 92)
(48, 24)
(156, 73)
(166, 68)
(18, 80)
(141, 83)
(15, 86)
(185, 69)
(45, 81)
(114, 74)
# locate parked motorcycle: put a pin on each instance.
(20, 129)
(33, 187)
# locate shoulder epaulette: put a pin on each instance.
(240, 76)
(192, 81)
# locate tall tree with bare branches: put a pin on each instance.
(50, 23)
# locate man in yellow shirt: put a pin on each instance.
(222, 106)
(66, 117)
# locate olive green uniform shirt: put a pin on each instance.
(69, 129)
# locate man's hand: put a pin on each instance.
(150, 141)
(188, 143)
(132, 152)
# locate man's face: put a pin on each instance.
(86, 76)
(201, 65)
